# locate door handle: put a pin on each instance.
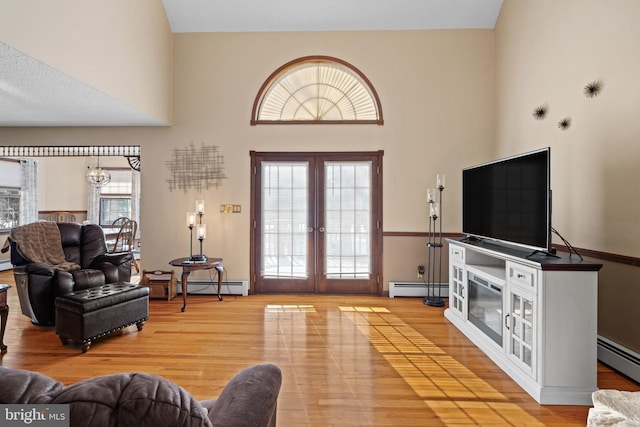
(321, 229)
(506, 321)
(310, 230)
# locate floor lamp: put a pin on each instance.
(434, 246)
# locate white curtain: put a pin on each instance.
(93, 205)
(135, 198)
(29, 191)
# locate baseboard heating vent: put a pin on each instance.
(6, 265)
(415, 289)
(205, 287)
(619, 358)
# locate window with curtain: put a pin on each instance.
(18, 192)
(115, 198)
(9, 208)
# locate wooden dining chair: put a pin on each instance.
(126, 238)
(113, 231)
(119, 222)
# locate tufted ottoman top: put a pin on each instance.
(101, 296)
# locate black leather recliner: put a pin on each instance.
(39, 284)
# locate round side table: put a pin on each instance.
(4, 313)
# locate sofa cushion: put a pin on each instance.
(239, 408)
(134, 399)
(21, 387)
(82, 243)
(87, 278)
(93, 244)
(139, 399)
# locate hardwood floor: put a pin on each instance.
(346, 360)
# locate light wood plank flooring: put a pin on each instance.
(346, 360)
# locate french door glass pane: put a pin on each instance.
(284, 219)
(348, 220)
(528, 310)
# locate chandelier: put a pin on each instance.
(97, 176)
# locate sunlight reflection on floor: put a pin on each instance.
(452, 391)
(277, 308)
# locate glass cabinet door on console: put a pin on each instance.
(457, 277)
(520, 322)
(534, 316)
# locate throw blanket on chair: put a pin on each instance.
(41, 242)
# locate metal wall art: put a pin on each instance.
(540, 112)
(590, 90)
(593, 89)
(198, 168)
(565, 123)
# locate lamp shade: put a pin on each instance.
(202, 231)
(191, 219)
(200, 206)
(97, 176)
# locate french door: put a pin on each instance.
(316, 222)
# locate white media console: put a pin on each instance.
(534, 316)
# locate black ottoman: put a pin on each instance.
(83, 316)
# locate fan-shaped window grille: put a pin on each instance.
(317, 89)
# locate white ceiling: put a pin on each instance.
(328, 15)
(35, 94)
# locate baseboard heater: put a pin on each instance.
(206, 287)
(415, 289)
(619, 358)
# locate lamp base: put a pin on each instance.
(200, 258)
(433, 301)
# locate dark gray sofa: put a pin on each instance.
(139, 399)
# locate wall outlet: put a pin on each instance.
(420, 271)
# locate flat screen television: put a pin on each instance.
(509, 200)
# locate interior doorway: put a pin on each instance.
(64, 167)
(316, 222)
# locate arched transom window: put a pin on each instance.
(317, 89)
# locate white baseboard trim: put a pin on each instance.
(415, 289)
(206, 287)
(619, 358)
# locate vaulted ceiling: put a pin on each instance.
(34, 94)
(328, 15)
